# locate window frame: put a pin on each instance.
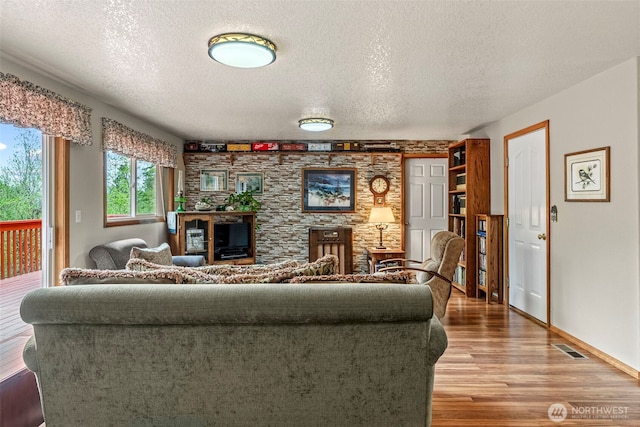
(133, 217)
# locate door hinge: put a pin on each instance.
(506, 222)
(506, 161)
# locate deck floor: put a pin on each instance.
(13, 331)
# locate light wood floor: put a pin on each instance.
(14, 333)
(501, 370)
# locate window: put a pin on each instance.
(131, 190)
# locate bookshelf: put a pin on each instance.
(469, 194)
(489, 257)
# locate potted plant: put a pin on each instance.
(244, 202)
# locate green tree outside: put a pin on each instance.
(119, 178)
(21, 180)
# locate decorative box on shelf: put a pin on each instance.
(319, 146)
(293, 147)
(191, 145)
(239, 147)
(213, 147)
(264, 146)
(346, 146)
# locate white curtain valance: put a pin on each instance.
(131, 143)
(26, 105)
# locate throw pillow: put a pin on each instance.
(160, 255)
(393, 277)
(328, 264)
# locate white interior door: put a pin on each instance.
(425, 204)
(527, 216)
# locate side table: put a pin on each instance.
(374, 256)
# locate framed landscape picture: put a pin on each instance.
(213, 180)
(586, 176)
(329, 190)
(250, 182)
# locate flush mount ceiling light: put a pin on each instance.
(242, 50)
(315, 124)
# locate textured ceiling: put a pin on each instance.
(380, 69)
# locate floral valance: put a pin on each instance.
(131, 143)
(26, 105)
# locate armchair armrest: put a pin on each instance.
(433, 273)
(404, 261)
(29, 354)
(438, 341)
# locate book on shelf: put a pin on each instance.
(461, 181)
(482, 244)
(460, 275)
(458, 226)
(482, 277)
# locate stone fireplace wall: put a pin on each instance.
(284, 228)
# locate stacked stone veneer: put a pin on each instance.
(284, 228)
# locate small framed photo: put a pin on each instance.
(213, 180)
(586, 176)
(250, 182)
(329, 190)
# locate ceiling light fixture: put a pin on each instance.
(315, 124)
(242, 50)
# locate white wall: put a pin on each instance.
(86, 173)
(594, 247)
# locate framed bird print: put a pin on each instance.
(586, 175)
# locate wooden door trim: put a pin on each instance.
(61, 204)
(542, 125)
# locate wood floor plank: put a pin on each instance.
(500, 369)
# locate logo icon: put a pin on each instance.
(557, 412)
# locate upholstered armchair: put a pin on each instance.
(115, 255)
(437, 270)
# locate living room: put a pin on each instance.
(594, 277)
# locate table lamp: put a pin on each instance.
(381, 216)
(180, 199)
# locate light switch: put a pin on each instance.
(78, 216)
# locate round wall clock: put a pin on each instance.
(379, 186)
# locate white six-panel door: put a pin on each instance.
(527, 222)
(425, 204)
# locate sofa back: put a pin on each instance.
(262, 354)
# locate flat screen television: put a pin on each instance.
(231, 240)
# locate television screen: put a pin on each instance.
(230, 237)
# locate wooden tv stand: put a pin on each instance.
(195, 235)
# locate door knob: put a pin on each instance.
(542, 236)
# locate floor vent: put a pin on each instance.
(569, 351)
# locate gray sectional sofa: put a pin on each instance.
(284, 354)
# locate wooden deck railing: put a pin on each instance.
(20, 247)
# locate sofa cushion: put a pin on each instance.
(160, 255)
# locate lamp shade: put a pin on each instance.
(242, 50)
(381, 214)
